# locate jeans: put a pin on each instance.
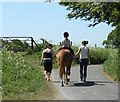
(69, 48)
(83, 68)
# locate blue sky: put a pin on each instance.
(48, 21)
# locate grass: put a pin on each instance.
(22, 80)
(0, 76)
(111, 65)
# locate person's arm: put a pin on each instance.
(88, 57)
(42, 57)
(78, 51)
(62, 43)
(52, 56)
(69, 44)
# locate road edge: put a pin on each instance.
(107, 76)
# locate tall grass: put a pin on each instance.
(98, 55)
(111, 65)
(20, 79)
(0, 75)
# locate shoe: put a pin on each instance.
(84, 80)
(81, 78)
(48, 79)
(45, 77)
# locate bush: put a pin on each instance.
(98, 55)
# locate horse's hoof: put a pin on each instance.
(66, 83)
(68, 80)
(62, 85)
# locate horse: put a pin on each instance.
(64, 59)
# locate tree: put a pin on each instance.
(16, 45)
(113, 38)
(106, 43)
(44, 40)
(108, 12)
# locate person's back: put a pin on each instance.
(84, 60)
(48, 58)
(84, 52)
(66, 43)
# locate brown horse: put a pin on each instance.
(64, 59)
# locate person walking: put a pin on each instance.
(84, 60)
(48, 58)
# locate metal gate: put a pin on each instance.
(9, 40)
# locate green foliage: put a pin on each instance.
(0, 75)
(43, 40)
(108, 12)
(119, 64)
(19, 78)
(15, 45)
(113, 38)
(111, 65)
(98, 55)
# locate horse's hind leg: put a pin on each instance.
(65, 78)
(68, 73)
(61, 69)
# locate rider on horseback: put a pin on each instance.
(66, 43)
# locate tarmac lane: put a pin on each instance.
(96, 87)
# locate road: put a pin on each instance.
(97, 87)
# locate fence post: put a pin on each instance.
(36, 44)
(31, 43)
(95, 45)
(71, 43)
(60, 43)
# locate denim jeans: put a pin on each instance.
(69, 48)
(83, 68)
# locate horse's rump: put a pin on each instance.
(64, 57)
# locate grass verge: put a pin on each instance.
(23, 80)
(111, 65)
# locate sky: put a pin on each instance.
(48, 21)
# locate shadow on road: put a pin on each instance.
(84, 84)
(88, 83)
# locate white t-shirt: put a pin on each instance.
(66, 43)
(84, 52)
